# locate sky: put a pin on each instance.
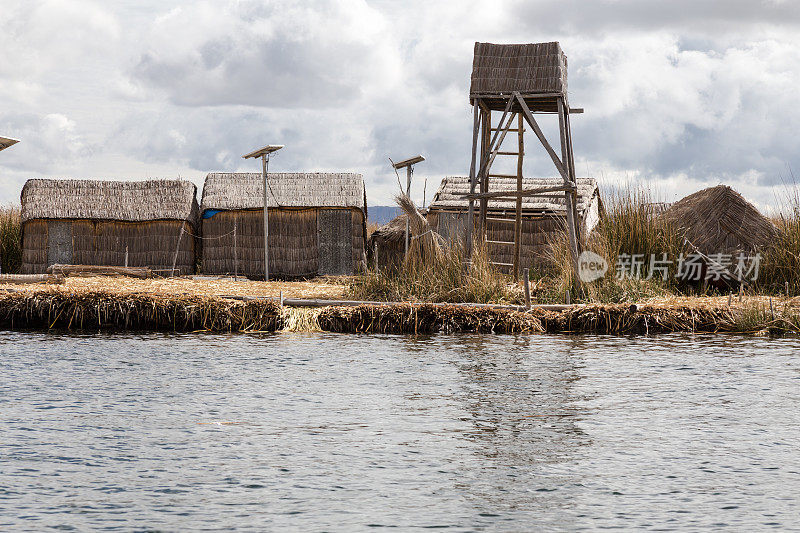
(678, 95)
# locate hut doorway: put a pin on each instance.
(334, 230)
(59, 242)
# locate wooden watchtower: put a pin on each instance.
(519, 81)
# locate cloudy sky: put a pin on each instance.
(678, 95)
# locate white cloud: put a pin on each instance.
(677, 95)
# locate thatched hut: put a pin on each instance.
(317, 224)
(541, 216)
(718, 220)
(93, 222)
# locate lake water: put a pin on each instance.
(329, 432)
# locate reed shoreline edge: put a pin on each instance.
(54, 308)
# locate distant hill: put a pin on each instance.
(381, 214)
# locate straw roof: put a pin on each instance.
(244, 190)
(451, 191)
(720, 220)
(128, 201)
(527, 68)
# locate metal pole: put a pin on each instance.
(264, 167)
(408, 193)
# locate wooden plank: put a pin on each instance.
(501, 242)
(507, 153)
(502, 175)
(575, 110)
(532, 121)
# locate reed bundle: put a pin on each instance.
(108, 310)
(426, 244)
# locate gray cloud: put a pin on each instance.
(677, 94)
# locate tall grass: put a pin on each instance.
(780, 262)
(10, 239)
(444, 278)
(627, 228)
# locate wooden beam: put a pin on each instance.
(569, 196)
(523, 192)
(472, 180)
(518, 218)
(538, 131)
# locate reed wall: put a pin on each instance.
(150, 244)
(302, 242)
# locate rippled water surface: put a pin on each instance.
(333, 432)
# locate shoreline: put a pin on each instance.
(117, 305)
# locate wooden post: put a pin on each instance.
(126, 256)
(486, 121)
(518, 214)
(235, 252)
(573, 176)
(567, 297)
(178, 247)
(526, 283)
(375, 255)
(786, 285)
(469, 226)
(569, 197)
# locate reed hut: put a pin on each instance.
(91, 222)
(718, 220)
(317, 224)
(542, 216)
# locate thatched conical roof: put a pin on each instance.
(128, 201)
(720, 220)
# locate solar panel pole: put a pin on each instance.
(264, 154)
(264, 168)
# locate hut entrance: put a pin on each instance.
(519, 80)
(59, 242)
(334, 230)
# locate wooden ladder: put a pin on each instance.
(517, 220)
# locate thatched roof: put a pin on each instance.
(128, 201)
(720, 220)
(527, 68)
(244, 190)
(451, 191)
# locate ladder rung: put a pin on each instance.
(515, 130)
(507, 153)
(501, 264)
(502, 175)
(500, 242)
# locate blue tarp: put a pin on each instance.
(208, 213)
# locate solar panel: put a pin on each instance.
(5, 142)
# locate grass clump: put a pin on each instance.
(10, 239)
(445, 277)
(628, 228)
